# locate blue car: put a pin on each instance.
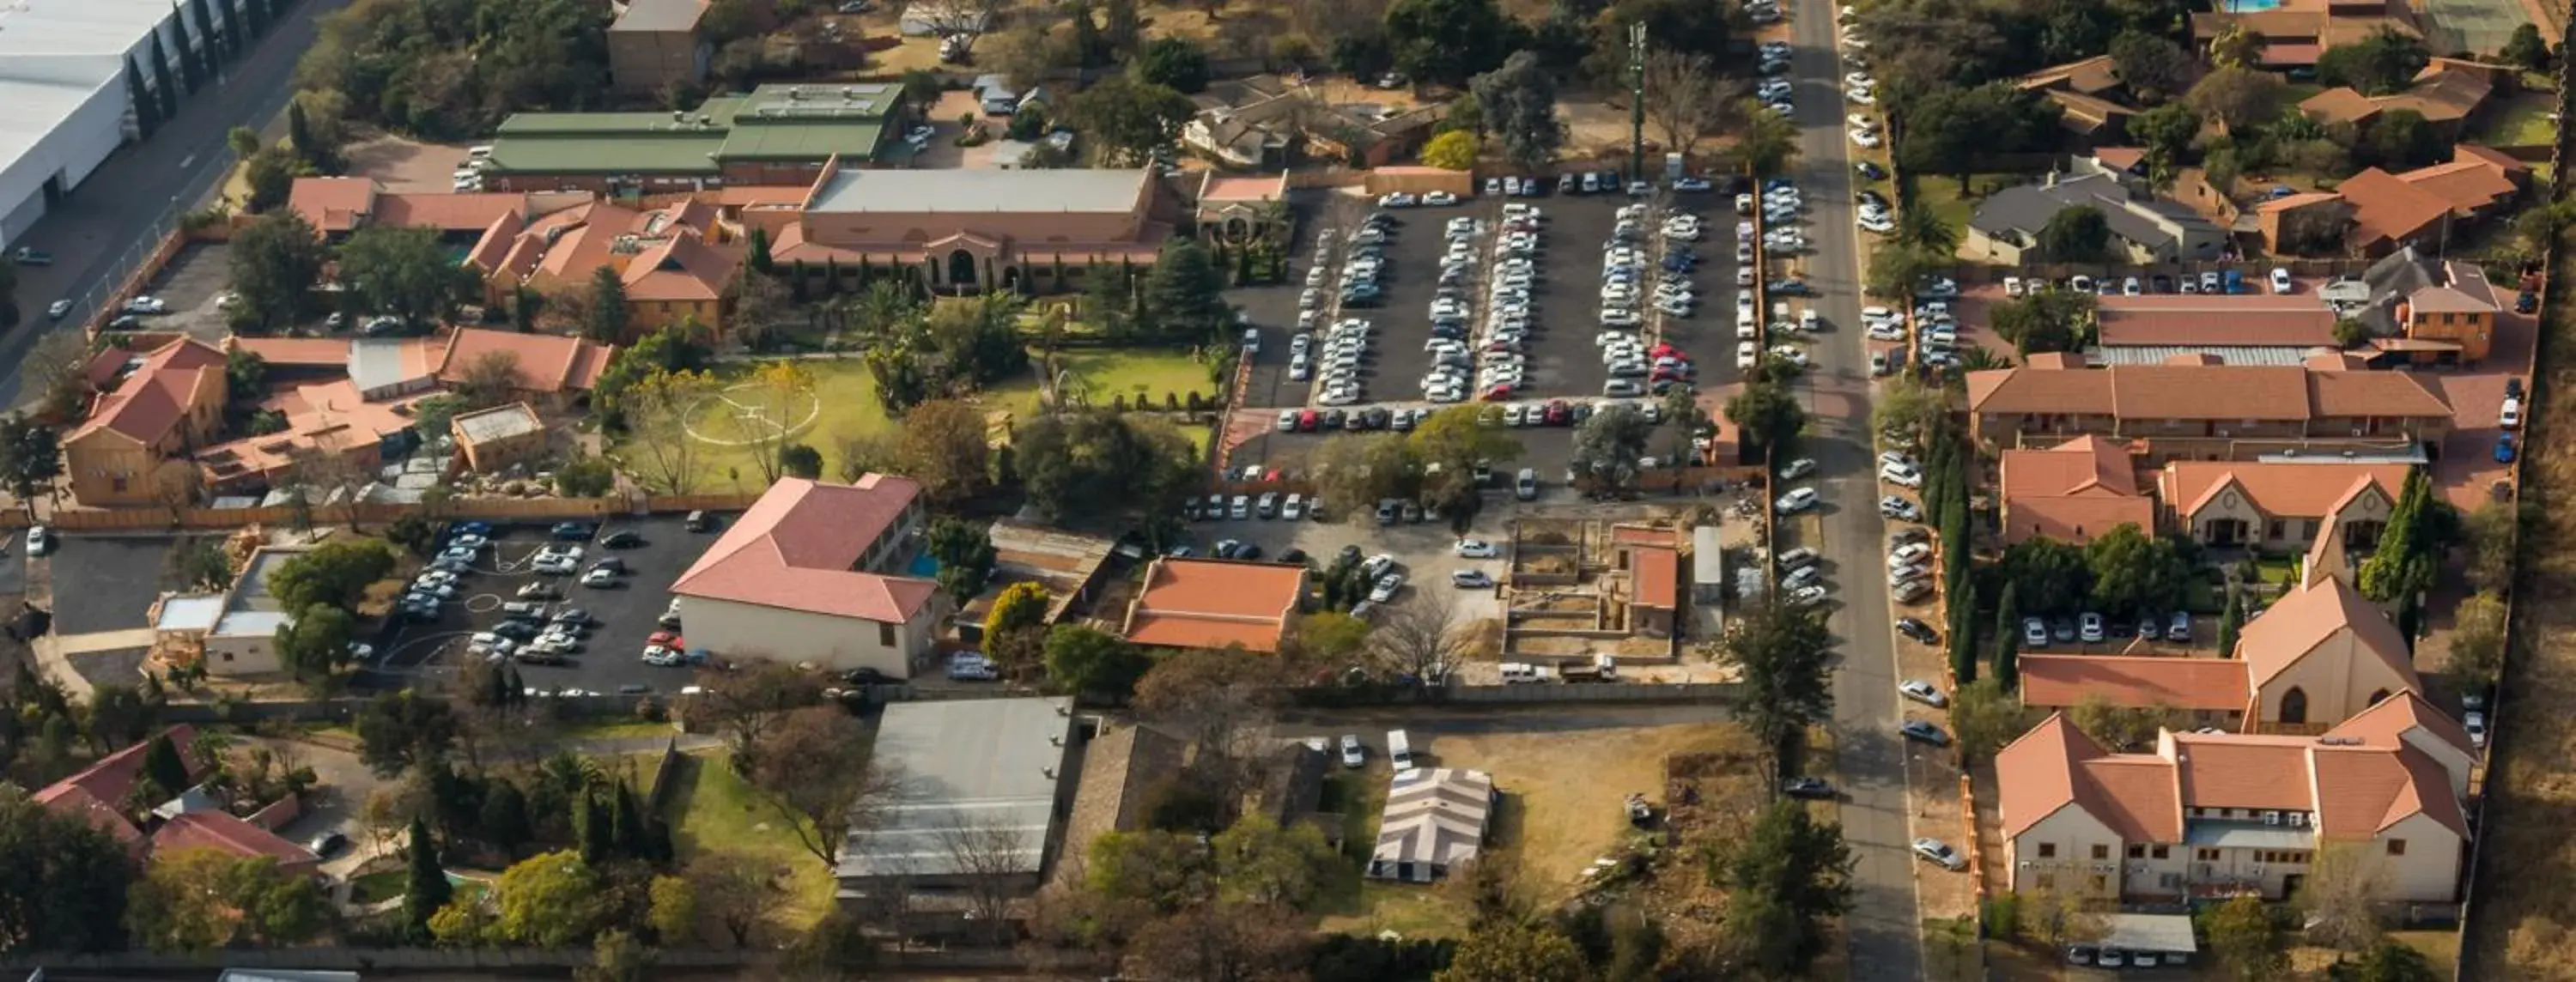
(470, 528)
(569, 531)
(2504, 448)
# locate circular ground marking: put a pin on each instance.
(739, 417)
(483, 603)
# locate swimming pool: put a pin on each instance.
(2251, 6)
(923, 566)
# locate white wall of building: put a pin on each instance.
(63, 99)
(738, 630)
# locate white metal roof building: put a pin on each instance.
(63, 100)
(1435, 818)
(979, 797)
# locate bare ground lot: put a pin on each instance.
(406, 166)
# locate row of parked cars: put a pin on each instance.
(2209, 281)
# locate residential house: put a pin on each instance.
(104, 795)
(1242, 209)
(2215, 815)
(2238, 329)
(2198, 409)
(1122, 767)
(2375, 212)
(2294, 32)
(654, 46)
(2446, 92)
(803, 576)
(2072, 492)
(331, 420)
(1268, 122)
(2282, 505)
(149, 408)
(2430, 310)
(1436, 818)
(2145, 230)
(1068, 565)
(1215, 603)
(337, 206)
(2091, 95)
(972, 230)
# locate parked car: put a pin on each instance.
(1353, 754)
(1924, 732)
(1940, 854)
(1922, 692)
(1813, 788)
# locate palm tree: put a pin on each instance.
(1918, 227)
(1767, 142)
(1978, 358)
(881, 311)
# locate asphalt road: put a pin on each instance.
(108, 224)
(1884, 924)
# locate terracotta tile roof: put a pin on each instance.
(2266, 320)
(2446, 97)
(2385, 208)
(2267, 392)
(2341, 104)
(2388, 723)
(2234, 770)
(763, 194)
(2055, 359)
(231, 836)
(2089, 76)
(547, 362)
(300, 352)
(446, 212)
(331, 418)
(2469, 185)
(2361, 791)
(2074, 520)
(493, 248)
(2055, 765)
(2120, 158)
(2040, 390)
(1658, 574)
(2283, 490)
(2084, 465)
(2496, 158)
(2277, 205)
(2065, 681)
(156, 396)
(1212, 603)
(2294, 626)
(795, 548)
(95, 792)
(2382, 395)
(332, 204)
(73, 801)
(682, 267)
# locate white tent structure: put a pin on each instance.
(1436, 818)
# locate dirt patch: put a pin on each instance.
(1570, 785)
(406, 166)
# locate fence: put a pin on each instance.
(376, 513)
(1498, 695)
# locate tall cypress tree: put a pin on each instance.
(1963, 634)
(255, 14)
(2229, 621)
(299, 132)
(161, 763)
(208, 41)
(192, 73)
(164, 82)
(2008, 638)
(758, 257)
(147, 111)
(425, 889)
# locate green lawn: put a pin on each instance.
(2522, 121)
(1942, 195)
(845, 405)
(616, 729)
(378, 887)
(1356, 904)
(712, 810)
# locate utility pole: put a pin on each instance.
(1637, 101)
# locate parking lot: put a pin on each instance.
(623, 615)
(100, 583)
(1423, 551)
(190, 288)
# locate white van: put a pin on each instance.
(1398, 750)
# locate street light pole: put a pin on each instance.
(1637, 102)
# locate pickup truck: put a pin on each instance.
(1602, 669)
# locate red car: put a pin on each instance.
(1306, 421)
(1498, 393)
(1558, 413)
(668, 639)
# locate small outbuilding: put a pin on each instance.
(1436, 818)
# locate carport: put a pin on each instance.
(2167, 936)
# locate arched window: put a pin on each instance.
(2294, 705)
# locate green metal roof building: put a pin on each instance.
(777, 134)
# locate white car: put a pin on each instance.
(1790, 353)
(1901, 475)
(1798, 468)
(1476, 549)
(1908, 553)
(1922, 692)
(1797, 500)
(1439, 199)
(1747, 355)
(2476, 723)
(1860, 97)
(1865, 139)
(2281, 280)
(1937, 852)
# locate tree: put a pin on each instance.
(402, 271)
(2236, 47)
(426, 888)
(966, 557)
(1174, 63)
(816, 773)
(270, 174)
(1185, 292)
(2476, 659)
(1099, 465)
(504, 819)
(1906, 410)
(550, 900)
(2153, 67)
(489, 380)
(2340, 895)
(333, 574)
(2056, 918)
(315, 644)
(616, 957)
(1767, 414)
(1984, 716)
(1606, 448)
(1783, 655)
(1515, 951)
(1687, 98)
(1094, 663)
(1948, 130)
(69, 885)
(943, 444)
(2402, 565)
(2382, 63)
(769, 408)
(605, 319)
(2247, 939)
(2008, 639)
(1919, 227)
(2076, 235)
(1421, 638)
(200, 899)
(400, 730)
(2166, 131)
(674, 909)
(162, 765)
(1221, 700)
(1449, 41)
(276, 260)
(1454, 150)
(1258, 862)
(1245, 942)
(2525, 48)
(2400, 139)
(2135, 574)
(657, 411)
(1765, 142)
(1130, 119)
(2387, 960)
(2238, 98)
(1962, 629)
(2230, 620)
(2053, 320)
(1789, 879)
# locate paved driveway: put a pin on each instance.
(1884, 924)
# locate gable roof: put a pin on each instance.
(2267, 320)
(1213, 603)
(2287, 490)
(2341, 104)
(95, 792)
(2466, 290)
(2055, 765)
(332, 204)
(223, 833)
(2295, 625)
(2071, 492)
(2385, 208)
(156, 396)
(795, 547)
(2022, 210)
(2090, 76)
(2202, 391)
(2062, 681)
(1433, 815)
(682, 267)
(2388, 723)
(2467, 184)
(547, 362)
